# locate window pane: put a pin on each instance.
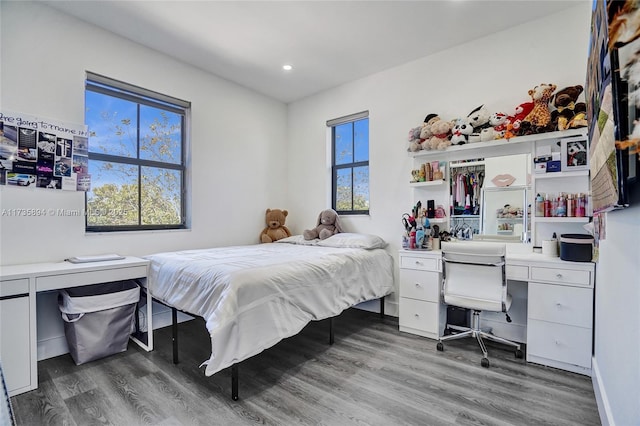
(113, 198)
(361, 142)
(160, 196)
(160, 135)
(361, 188)
(343, 190)
(344, 143)
(113, 124)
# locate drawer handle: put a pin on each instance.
(418, 262)
(559, 276)
(417, 315)
(558, 305)
(417, 285)
(557, 342)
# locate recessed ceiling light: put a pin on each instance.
(287, 67)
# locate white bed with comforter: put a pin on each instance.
(251, 297)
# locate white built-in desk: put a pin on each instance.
(18, 287)
(552, 309)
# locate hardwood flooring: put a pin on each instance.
(372, 375)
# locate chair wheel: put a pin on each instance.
(440, 347)
(519, 354)
(485, 362)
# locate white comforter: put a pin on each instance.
(254, 296)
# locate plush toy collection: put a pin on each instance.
(547, 111)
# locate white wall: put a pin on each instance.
(617, 318)
(238, 138)
(497, 71)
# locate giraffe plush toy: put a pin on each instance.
(539, 118)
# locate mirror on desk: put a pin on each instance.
(490, 198)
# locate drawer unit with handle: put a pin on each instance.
(421, 311)
(560, 318)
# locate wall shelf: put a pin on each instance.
(558, 175)
(540, 219)
(427, 183)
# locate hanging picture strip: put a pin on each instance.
(43, 153)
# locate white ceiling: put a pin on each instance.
(328, 42)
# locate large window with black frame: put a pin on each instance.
(350, 163)
(136, 157)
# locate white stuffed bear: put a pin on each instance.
(461, 131)
(479, 119)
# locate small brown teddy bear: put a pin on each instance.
(328, 225)
(275, 229)
(567, 108)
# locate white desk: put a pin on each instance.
(552, 310)
(18, 287)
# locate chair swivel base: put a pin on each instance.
(479, 335)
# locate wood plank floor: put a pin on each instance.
(372, 375)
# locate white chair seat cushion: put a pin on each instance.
(477, 304)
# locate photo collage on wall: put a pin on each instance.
(43, 153)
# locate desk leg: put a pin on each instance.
(174, 331)
(382, 307)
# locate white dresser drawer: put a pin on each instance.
(418, 262)
(561, 304)
(561, 276)
(517, 272)
(14, 287)
(422, 285)
(419, 315)
(563, 343)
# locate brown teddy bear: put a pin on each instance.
(328, 225)
(569, 113)
(275, 229)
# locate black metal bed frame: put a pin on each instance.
(234, 367)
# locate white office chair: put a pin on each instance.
(474, 277)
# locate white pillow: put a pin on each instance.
(352, 240)
(298, 239)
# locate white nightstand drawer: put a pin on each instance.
(422, 285)
(561, 276)
(561, 304)
(417, 262)
(14, 287)
(418, 314)
(562, 343)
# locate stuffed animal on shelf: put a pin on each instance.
(427, 130)
(567, 109)
(479, 119)
(496, 129)
(462, 128)
(414, 139)
(537, 121)
(441, 138)
(275, 229)
(513, 122)
(577, 154)
(328, 225)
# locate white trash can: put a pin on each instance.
(98, 318)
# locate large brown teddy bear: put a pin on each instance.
(569, 113)
(328, 225)
(275, 229)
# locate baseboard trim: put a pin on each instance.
(604, 409)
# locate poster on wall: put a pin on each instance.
(43, 153)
